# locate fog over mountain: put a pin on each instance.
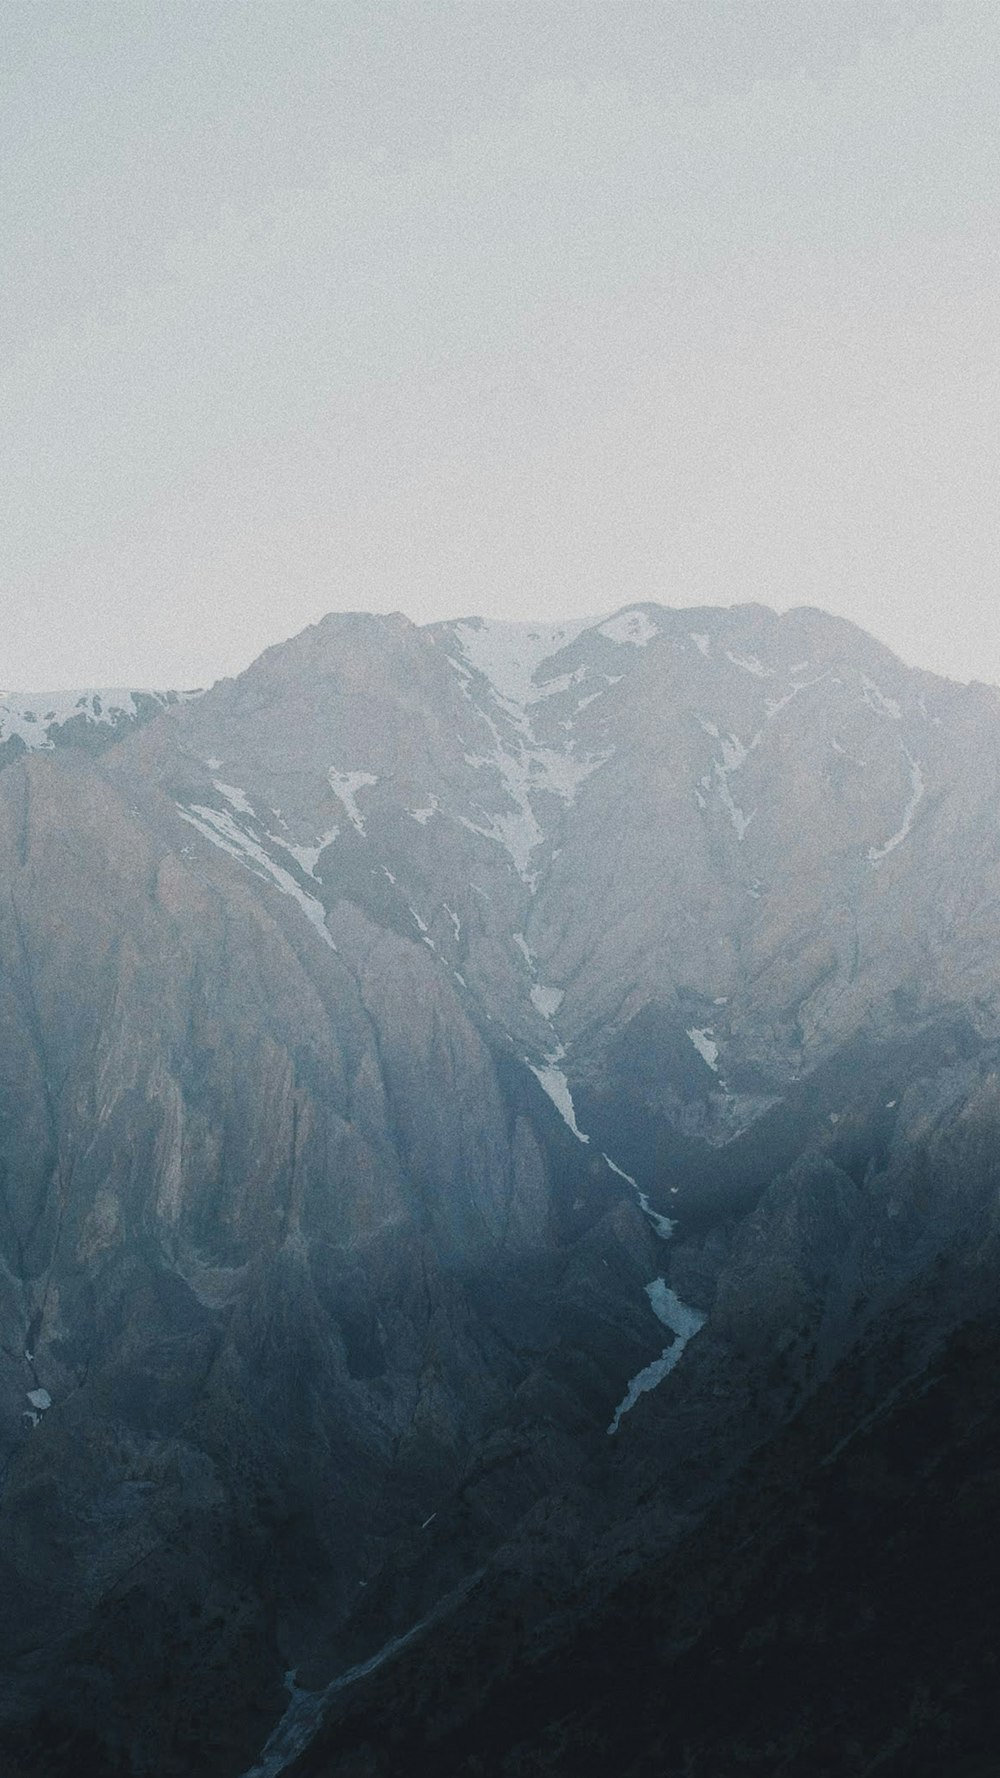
(499, 1230)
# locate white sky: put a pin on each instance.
(522, 307)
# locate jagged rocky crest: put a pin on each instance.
(464, 1091)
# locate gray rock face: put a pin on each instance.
(312, 1286)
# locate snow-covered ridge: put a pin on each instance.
(32, 716)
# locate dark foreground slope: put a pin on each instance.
(827, 1607)
(835, 1615)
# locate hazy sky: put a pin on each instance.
(523, 307)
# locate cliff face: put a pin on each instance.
(364, 1021)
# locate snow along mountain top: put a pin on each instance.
(31, 717)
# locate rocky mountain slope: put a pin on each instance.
(463, 1092)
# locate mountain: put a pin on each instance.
(484, 1111)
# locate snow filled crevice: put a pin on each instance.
(773, 706)
(682, 1320)
(546, 1001)
(877, 853)
(545, 998)
(739, 820)
(684, 1323)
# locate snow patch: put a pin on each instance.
(701, 639)
(509, 654)
(40, 1399)
(424, 815)
(345, 787)
(547, 1001)
(707, 1048)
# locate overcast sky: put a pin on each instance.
(522, 307)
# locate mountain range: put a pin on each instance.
(498, 1208)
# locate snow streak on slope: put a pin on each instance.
(553, 1081)
(304, 1715)
(877, 853)
(663, 1226)
(219, 826)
